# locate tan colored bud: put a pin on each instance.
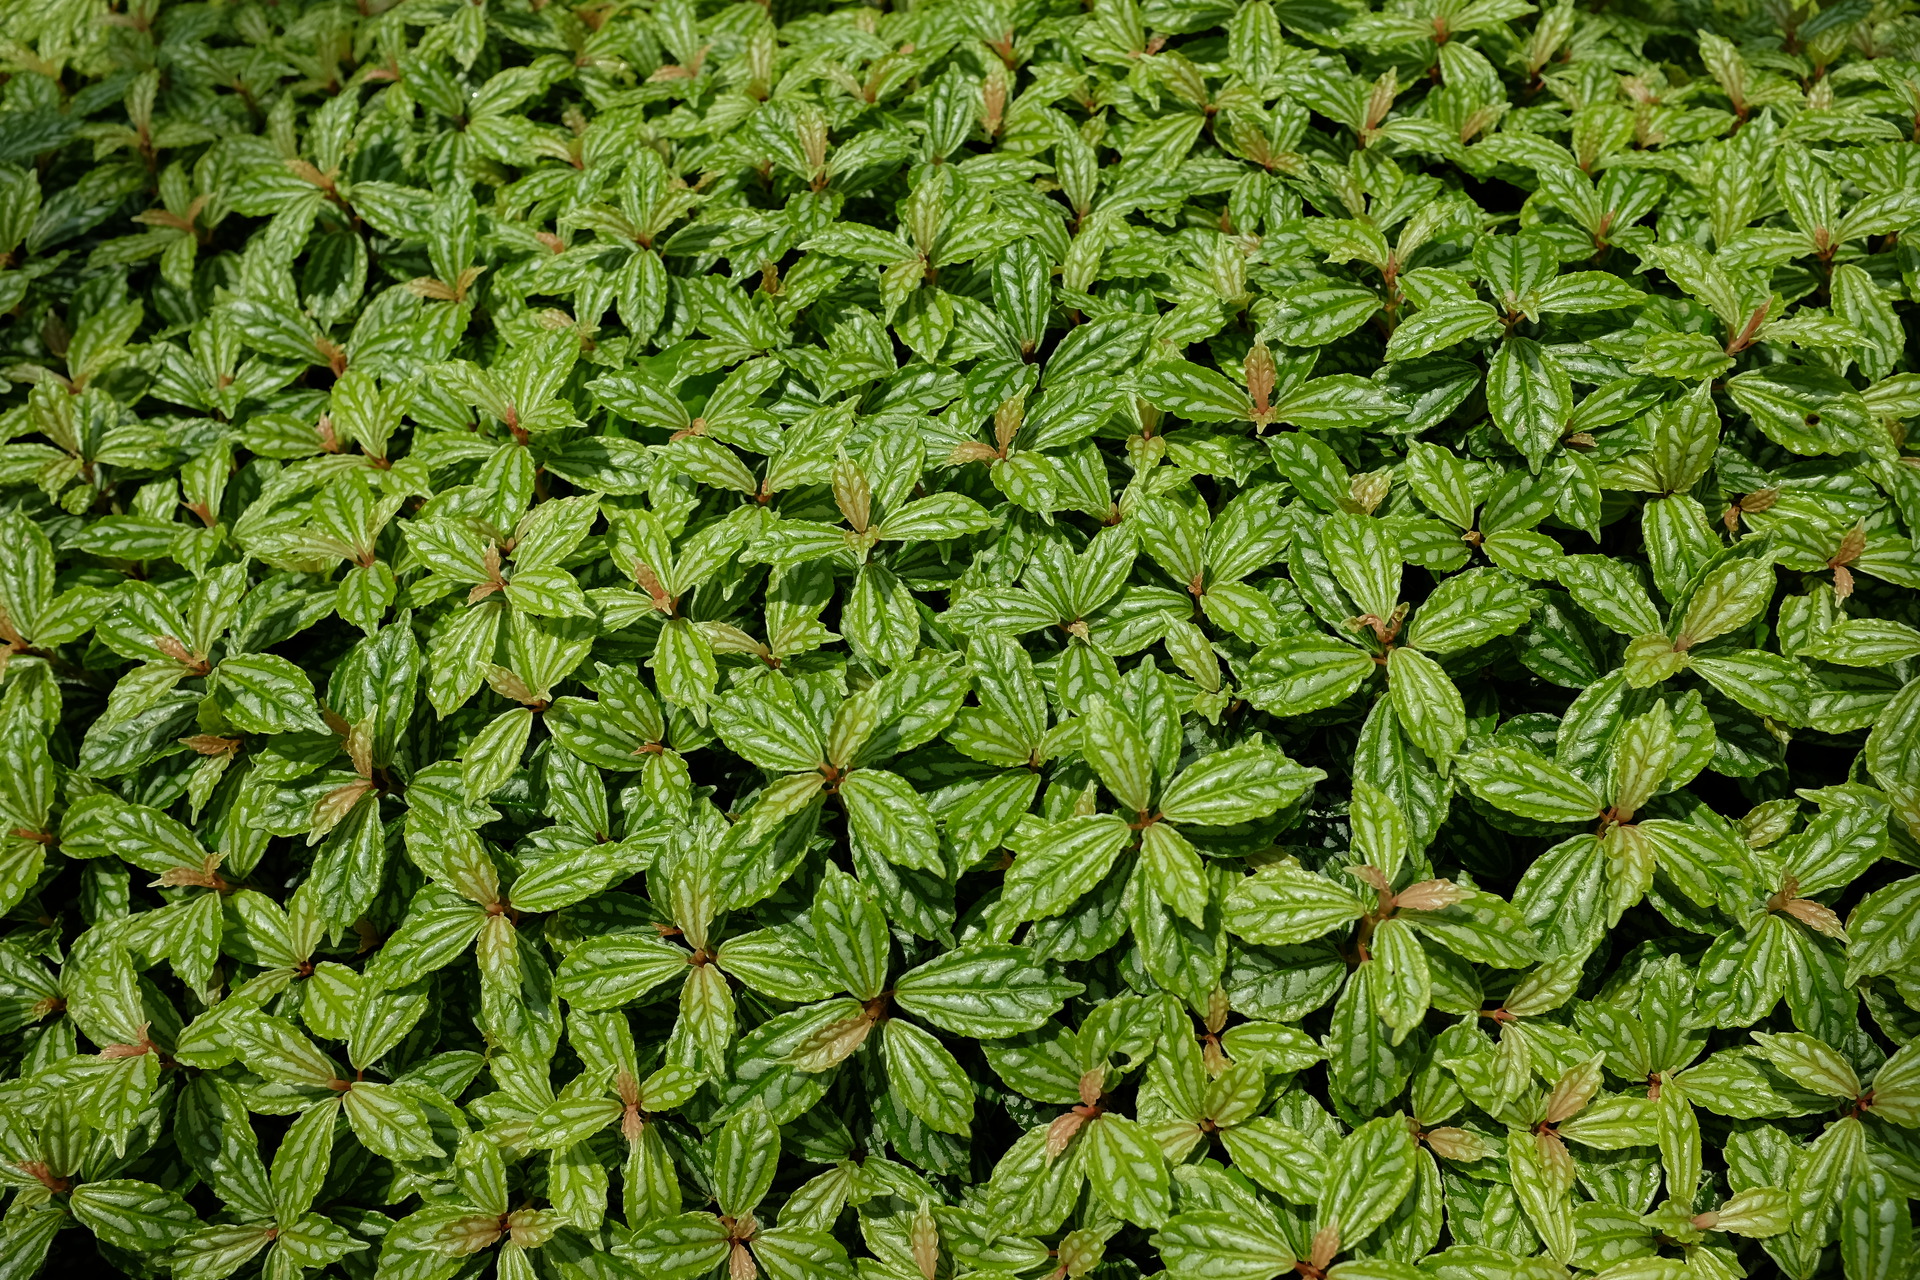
(431, 289)
(1842, 582)
(1260, 372)
(1007, 420)
(1430, 895)
(182, 878)
(649, 582)
(1325, 1244)
(1081, 1252)
(509, 685)
(972, 451)
(1573, 1091)
(1372, 876)
(1369, 489)
(1458, 1144)
(1218, 1006)
(924, 1242)
(1555, 1159)
(1851, 545)
(993, 99)
(360, 748)
(852, 494)
(1380, 100)
(175, 650)
(1060, 1133)
(466, 1236)
(832, 1044)
(335, 805)
(1816, 917)
(531, 1228)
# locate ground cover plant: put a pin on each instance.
(1025, 640)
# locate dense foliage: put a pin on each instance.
(999, 639)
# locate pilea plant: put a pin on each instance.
(959, 639)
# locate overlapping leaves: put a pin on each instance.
(1001, 640)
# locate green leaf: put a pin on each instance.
(1480, 928)
(930, 1081)
(494, 754)
(887, 813)
(129, 1214)
(389, 1123)
(1876, 1228)
(1764, 683)
(1428, 703)
(745, 1152)
(1445, 324)
(1808, 1063)
(793, 1253)
(1316, 312)
(213, 1253)
(1302, 674)
(1127, 1170)
(1610, 592)
(1364, 561)
(1822, 1176)
(1402, 987)
(1687, 357)
(1060, 863)
(1283, 1160)
(1541, 1195)
(1728, 597)
(1467, 610)
(264, 693)
(602, 973)
(983, 991)
(1883, 932)
(1112, 744)
(1804, 409)
(1519, 781)
(764, 722)
(1530, 397)
(301, 1161)
(1216, 1244)
(678, 1248)
(1284, 904)
(1172, 867)
(1370, 1173)
(1237, 785)
(1192, 392)
(851, 932)
(1896, 1089)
